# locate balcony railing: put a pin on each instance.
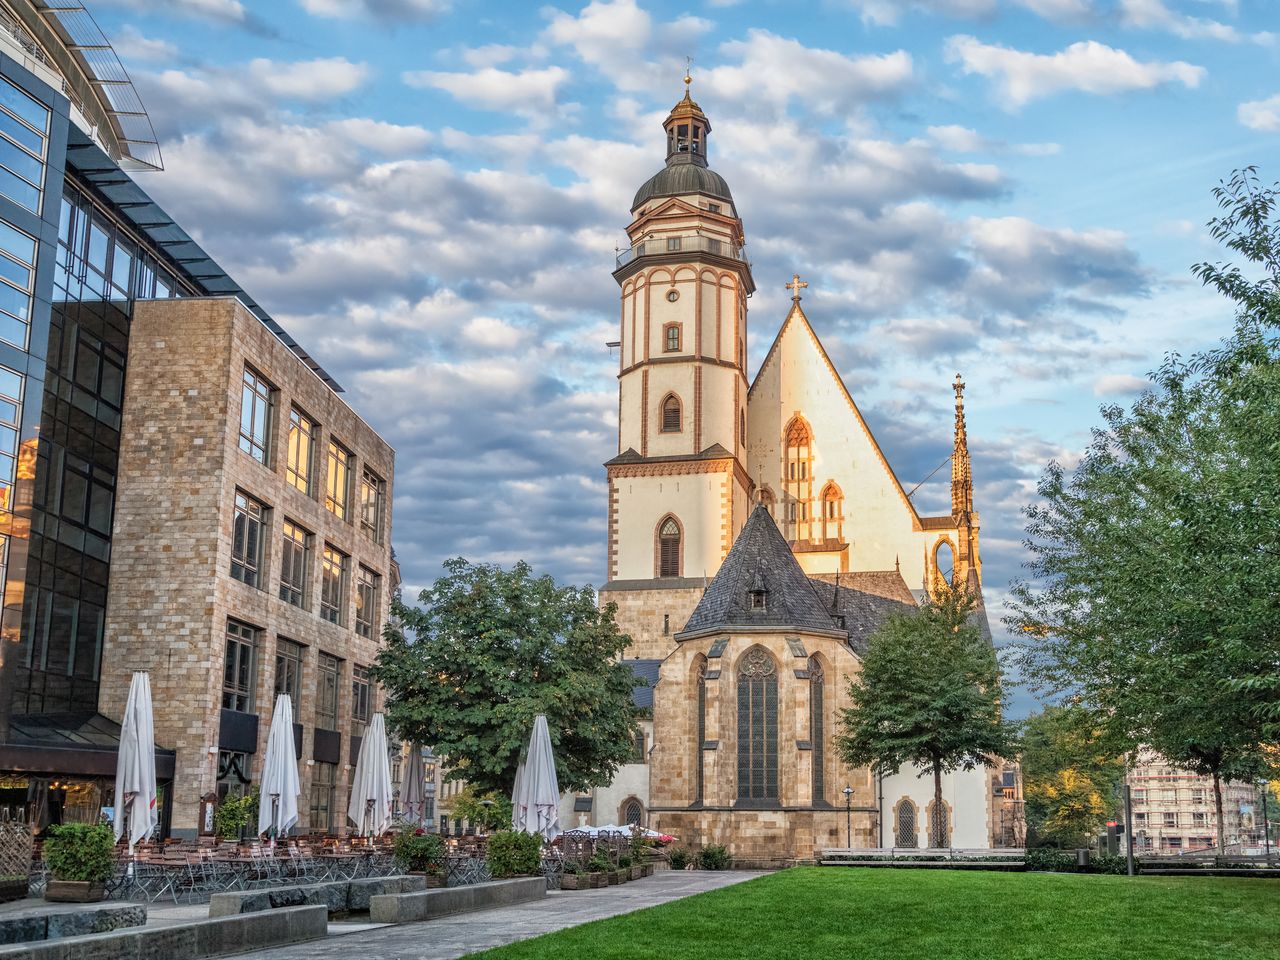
(665, 246)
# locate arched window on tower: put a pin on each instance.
(671, 414)
(832, 512)
(757, 726)
(669, 548)
(769, 501)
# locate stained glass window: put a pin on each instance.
(757, 726)
(817, 728)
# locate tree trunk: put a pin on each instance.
(1217, 805)
(939, 825)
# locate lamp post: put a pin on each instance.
(486, 804)
(848, 816)
(1265, 787)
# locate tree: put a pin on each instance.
(1070, 780)
(928, 695)
(1154, 588)
(491, 649)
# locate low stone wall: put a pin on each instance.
(51, 924)
(190, 941)
(339, 896)
(429, 904)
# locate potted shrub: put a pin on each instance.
(81, 859)
(624, 868)
(680, 859)
(514, 854)
(419, 852)
(573, 878)
(599, 868)
(714, 857)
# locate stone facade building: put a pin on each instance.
(1174, 810)
(833, 544)
(143, 516)
(253, 544)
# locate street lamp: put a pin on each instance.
(487, 804)
(1265, 786)
(848, 816)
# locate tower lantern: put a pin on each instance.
(687, 128)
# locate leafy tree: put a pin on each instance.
(488, 811)
(1070, 780)
(928, 694)
(1154, 591)
(491, 649)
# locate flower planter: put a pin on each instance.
(575, 881)
(637, 872)
(613, 878)
(74, 891)
(597, 879)
(648, 869)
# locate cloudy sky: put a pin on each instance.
(428, 194)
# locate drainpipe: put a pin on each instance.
(880, 810)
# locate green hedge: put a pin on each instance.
(1048, 860)
(513, 854)
(80, 852)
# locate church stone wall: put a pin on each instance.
(652, 613)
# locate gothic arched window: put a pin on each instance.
(757, 726)
(817, 726)
(832, 512)
(904, 824)
(669, 548)
(797, 475)
(633, 812)
(671, 414)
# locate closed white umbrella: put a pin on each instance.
(136, 765)
(370, 804)
(413, 790)
(278, 796)
(535, 802)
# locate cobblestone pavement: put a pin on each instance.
(452, 937)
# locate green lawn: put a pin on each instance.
(880, 914)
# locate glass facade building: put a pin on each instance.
(80, 242)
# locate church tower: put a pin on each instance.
(678, 492)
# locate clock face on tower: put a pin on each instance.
(673, 295)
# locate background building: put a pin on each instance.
(1174, 811)
(99, 390)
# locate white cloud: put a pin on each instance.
(131, 45)
(1261, 115)
(308, 79)
(1087, 66)
(393, 10)
(1119, 384)
(1156, 15)
(526, 91)
(958, 139)
(890, 12)
(385, 138)
(227, 11)
(777, 70)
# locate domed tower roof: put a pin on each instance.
(686, 170)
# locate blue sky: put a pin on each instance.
(428, 195)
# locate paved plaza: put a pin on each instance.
(460, 935)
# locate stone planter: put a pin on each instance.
(575, 881)
(613, 878)
(596, 879)
(74, 891)
(648, 869)
(637, 872)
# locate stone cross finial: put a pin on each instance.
(958, 386)
(796, 285)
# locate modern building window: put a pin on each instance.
(669, 548)
(337, 492)
(757, 726)
(247, 540)
(361, 698)
(328, 671)
(17, 271)
(239, 669)
(368, 600)
(671, 414)
(673, 337)
(333, 585)
(24, 126)
(1170, 819)
(324, 778)
(817, 727)
(295, 562)
(302, 450)
(256, 403)
(289, 657)
(372, 503)
(10, 418)
(905, 833)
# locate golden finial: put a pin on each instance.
(688, 77)
(958, 386)
(795, 286)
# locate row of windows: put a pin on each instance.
(240, 676)
(1195, 794)
(249, 535)
(257, 412)
(24, 129)
(1171, 819)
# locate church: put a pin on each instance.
(757, 536)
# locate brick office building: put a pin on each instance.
(135, 530)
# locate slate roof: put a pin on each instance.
(646, 671)
(865, 599)
(714, 452)
(760, 559)
(680, 178)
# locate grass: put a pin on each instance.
(849, 913)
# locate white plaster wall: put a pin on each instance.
(878, 523)
(631, 780)
(697, 499)
(965, 791)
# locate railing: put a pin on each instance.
(669, 245)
